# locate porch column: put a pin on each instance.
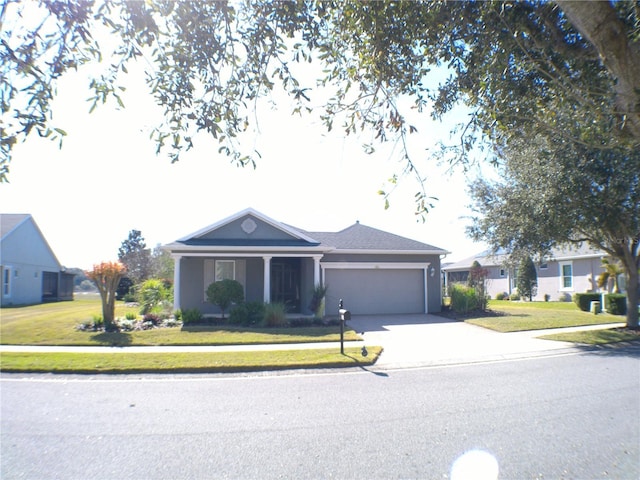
(176, 281)
(267, 279)
(316, 270)
(426, 288)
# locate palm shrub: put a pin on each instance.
(317, 300)
(155, 296)
(225, 292)
(612, 270)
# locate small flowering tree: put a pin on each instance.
(106, 276)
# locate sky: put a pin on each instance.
(107, 180)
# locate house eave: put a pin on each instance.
(178, 249)
(388, 252)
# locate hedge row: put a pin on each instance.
(614, 303)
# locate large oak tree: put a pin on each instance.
(552, 192)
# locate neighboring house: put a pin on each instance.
(564, 273)
(31, 272)
(373, 271)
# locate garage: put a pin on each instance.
(376, 290)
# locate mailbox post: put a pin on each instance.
(344, 316)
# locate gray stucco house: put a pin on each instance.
(565, 272)
(31, 272)
(373, 271)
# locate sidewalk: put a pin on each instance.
(409, 341)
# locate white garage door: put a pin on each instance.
(375, 291)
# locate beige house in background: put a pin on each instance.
(567, 271)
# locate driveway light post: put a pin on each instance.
(344, 316)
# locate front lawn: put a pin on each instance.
(508, 316)
(123, 362)
(596, 337)
(55, 324)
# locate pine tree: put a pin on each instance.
(527, 279)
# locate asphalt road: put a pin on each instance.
(572, 416)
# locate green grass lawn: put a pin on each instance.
(595, 337)
(123, 362)
(520, 316)
(55, 324)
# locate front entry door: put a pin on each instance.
(285, 282)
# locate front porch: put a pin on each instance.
(285, 278)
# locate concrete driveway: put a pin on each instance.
(424, 340)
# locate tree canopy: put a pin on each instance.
(135, 256)
(521, 67)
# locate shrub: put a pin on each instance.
(515, 296)
(249, 313)
(616, 303)
(224, 293)
(463, 299)
(547, 297)
(583, 300)
(98, 322)
(501, 296)
(275, 315)
(191, 315)
(131, 316)
(155, 296)
(239, 315)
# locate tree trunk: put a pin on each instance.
(108, 311)
(598, 22)
(632, 298)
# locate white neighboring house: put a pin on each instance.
(31, 272)
(565, 272)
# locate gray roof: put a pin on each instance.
(9, 221)
(362, 237)
(499, 258)
(357, 238)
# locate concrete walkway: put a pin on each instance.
(408, 340)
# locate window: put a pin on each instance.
(566, 276)
(502, 272)
(225, 270)
(6, 281)
(216, 270)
